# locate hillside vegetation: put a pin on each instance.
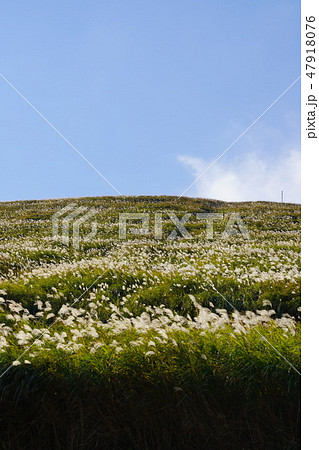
(148, 343)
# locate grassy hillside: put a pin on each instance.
(146, 342)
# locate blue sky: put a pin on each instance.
(151, 93)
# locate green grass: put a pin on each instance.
(145, 343)
(241, 394)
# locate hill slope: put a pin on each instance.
(181, 336)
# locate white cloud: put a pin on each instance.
(253, 178)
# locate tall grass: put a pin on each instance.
(207, 391)
(150, 344)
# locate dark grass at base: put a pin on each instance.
(40, 411)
